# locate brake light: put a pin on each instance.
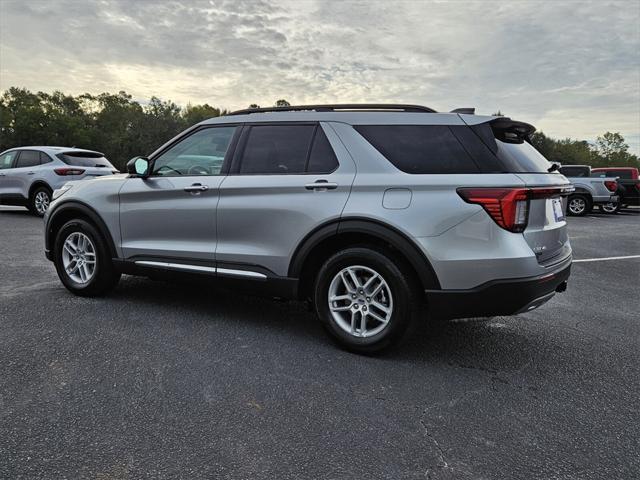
(508, 207)
(611, 185)
(68, 171)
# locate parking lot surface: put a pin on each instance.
(166, 380)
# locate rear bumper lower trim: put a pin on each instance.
(499, 297)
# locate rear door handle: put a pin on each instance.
(196, 188)
(31, 173)
(321, 185)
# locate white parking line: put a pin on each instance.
(602, 259)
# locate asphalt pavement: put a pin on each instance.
(164, 380)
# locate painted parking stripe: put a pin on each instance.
(602, 259)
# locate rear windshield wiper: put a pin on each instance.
(553, 168)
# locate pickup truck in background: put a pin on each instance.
(628, 180)
(589, 191)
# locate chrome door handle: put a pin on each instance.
(196, 188)
(321, 185)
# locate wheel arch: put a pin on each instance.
(75, 210)
(37, 184)
(582, 191)
(339, 234)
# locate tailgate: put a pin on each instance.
(546, 231)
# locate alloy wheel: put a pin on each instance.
(79, 257)
(577, 205)
(360, 301)
(41, 202)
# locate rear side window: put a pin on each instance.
(287, 150)
(84, 159)
(28, 158)
(420, 149)
(575, 171)
(44, 158)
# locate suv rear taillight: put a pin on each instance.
(611, 185)
(68, 171)
(509, 206)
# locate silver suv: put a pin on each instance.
(29, 175)
(375, 213)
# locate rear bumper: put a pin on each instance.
(499, 297)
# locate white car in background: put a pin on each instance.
(29, 175)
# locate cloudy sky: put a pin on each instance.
(571, 68)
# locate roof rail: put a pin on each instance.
(338, 107)
(468, 110)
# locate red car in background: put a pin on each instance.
(628, 184)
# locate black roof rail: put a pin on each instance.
(467, 110)
(338, 107)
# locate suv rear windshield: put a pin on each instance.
(84, 159)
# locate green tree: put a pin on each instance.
(282, 103)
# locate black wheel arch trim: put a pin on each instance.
(37, 184)
(85, 210)
(371, 227)
(581, 191)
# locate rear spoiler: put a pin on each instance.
(511, 131)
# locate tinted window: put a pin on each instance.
(419, 148)
(322, 158)
(84, 159)
(201, 153)
(619, 173)
(44, 158)
(521, 157)
(481, 154)
(28, 158)
(277, 149)
(575, 171)
(7, 159)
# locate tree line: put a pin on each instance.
(122, 127)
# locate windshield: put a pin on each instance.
(84, 159)
(521, 157)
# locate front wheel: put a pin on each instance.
(364, 300)
(579, 205)
(82, 260)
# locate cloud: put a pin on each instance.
(570, 68)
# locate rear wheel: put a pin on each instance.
(39, 201)
(82, 260)
(364, 300)
(579, 205)
(610, 207)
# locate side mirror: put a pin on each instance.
(139, 166)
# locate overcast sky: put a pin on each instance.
(571, 68)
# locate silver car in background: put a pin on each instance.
(376, 214)
(29, 175)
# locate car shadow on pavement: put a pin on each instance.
(490, 345)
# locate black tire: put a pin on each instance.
(104, 278)
(402, 288)
(608, 208)
(579, 199)
(36, 199)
